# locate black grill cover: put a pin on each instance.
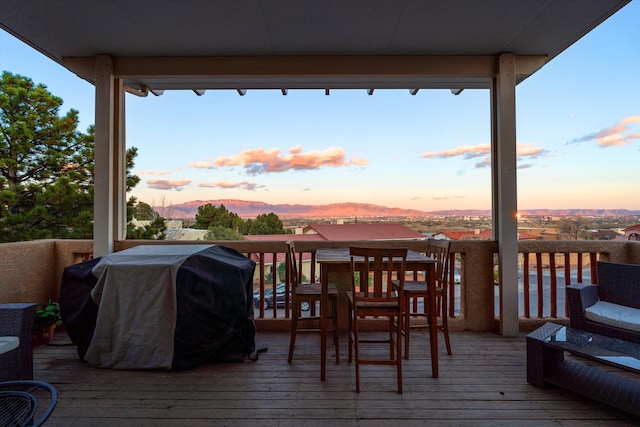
(214, 289)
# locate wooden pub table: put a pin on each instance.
(335, 265)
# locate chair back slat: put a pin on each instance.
(439, 250)
(294, 278)
(376, 268)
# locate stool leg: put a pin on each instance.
(445, 326)
(407, 325)
(294, 330)
(336, 331)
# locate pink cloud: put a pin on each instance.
(483, 151)
(152, 172)
(163, 184)
(448, 197)
(200, 165)
(529, 149)
(484, 163)
(618, 140)
(259, 160)
(243, 185)
(467, 151)
(613, 136)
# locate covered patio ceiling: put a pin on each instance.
(303, 44)
(155, 45)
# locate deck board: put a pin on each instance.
(482, 384)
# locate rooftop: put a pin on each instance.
(369, 231)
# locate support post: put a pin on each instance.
(120, 163)
(504, 181)
(104, 170)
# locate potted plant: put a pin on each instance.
(47, 318)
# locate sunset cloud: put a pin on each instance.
(200, 165)
(152, 172)
(613, 136)
(163, 184)
(448, 197)
(483, 153)
(359, 161)
(259, 160)
(467, 151)
(243, 185)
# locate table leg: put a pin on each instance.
(541, 359)
(433, 319)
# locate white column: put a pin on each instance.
(120, 164)
(103, 200)
(505, 190)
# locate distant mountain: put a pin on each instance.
(581, 212)
(251, 209)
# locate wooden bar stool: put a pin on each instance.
(308, 293)
(439, 250)
(372, 296)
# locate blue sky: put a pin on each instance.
(578, 130)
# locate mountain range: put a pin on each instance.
(251, 209)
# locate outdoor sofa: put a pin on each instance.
(610, 308)
(16, 341)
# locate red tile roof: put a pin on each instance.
(268, 258)
(386, 231)
(285, 237)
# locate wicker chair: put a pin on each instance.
(16, 320)
(617, 284)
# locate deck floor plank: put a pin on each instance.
(482, 384)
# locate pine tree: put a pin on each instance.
(46, 166)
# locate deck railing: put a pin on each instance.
(548, 267)
(31, 272)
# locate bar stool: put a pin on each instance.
(308, 293)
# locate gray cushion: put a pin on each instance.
(614, 315)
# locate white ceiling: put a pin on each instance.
(267, 28)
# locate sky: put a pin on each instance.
(578, 136)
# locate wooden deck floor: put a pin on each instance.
(482, 384)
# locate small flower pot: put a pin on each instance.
(43, 336)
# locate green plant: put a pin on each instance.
(46, 315)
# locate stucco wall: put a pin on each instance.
(31, 271)
(27, 271)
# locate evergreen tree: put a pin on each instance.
(209, 216)
(266, 224)
(218, 232)
(46, 166)
(144, 211)
(157, 228)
